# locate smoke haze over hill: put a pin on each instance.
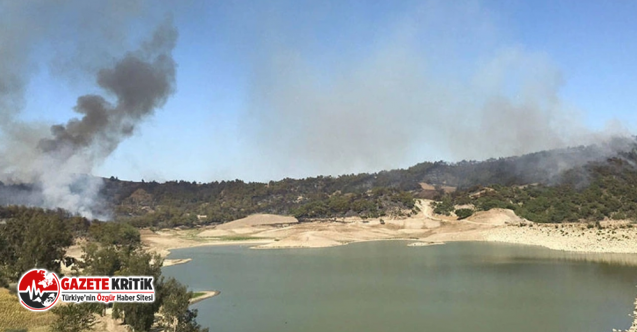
(325, 89)
(57, 161)
(409, 95)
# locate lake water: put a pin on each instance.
(388, 286)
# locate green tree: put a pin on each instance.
(139, 316)
(73, 318)
(115, 233)
(33, 238)
(464, 213)
(443, 207)
(101, 261)
(175, 301)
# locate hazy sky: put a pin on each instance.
(273, 89)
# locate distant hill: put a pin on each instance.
(392, 192)
(595, 191)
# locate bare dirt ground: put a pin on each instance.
(257, 220)
(163, 241)
(206, 295)
(610, 237)
(107, 323)
(497, 225)
(425, 228)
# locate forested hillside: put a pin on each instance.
(366, 195)
(587, 182)
(184, 203)
(592, 192)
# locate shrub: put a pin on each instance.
(463, 213)
(443, 207)
(73, 318)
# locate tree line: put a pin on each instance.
(592, 192)
(183, 203)
(38, 238)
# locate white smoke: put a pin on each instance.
(438, 82)
(56, 160)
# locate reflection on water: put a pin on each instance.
(387, 286)
(522, 253)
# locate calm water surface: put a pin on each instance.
(387, 286)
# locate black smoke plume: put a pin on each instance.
(55, 164)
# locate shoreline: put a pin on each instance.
(589, 241)
(173, 262)
(488, 237)
(425, 244)
(612, 242)
(607, 242)
(413, 243)
(206, 295)
(496, 225)
(340, 244)
(165, 252)
(579, 238)
(633, 326)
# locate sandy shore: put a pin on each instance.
(612, 238)
(171, 262)
(206, 295)
(163, 241)
(424, 244)
(271, 232)
(424, 229)
(497, 225)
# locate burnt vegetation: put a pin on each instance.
(597, 184)
(593, 192)
(533, 186)
(183, 203)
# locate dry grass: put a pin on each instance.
(197, 294)
(14, 317)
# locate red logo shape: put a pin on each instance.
(39, 290)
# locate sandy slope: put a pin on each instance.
(285, 232)
(497, 225)
(171, 262)
(325, 234)
(495, 217)
(206, 295)
(615, 237)
(257, 220)
(425, 228)
(163, 241)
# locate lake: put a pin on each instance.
(388, 286)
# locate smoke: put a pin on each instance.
(440, 83)
(140, 83)
(56, 160)
(330, 93)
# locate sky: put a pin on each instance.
(272, 89)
